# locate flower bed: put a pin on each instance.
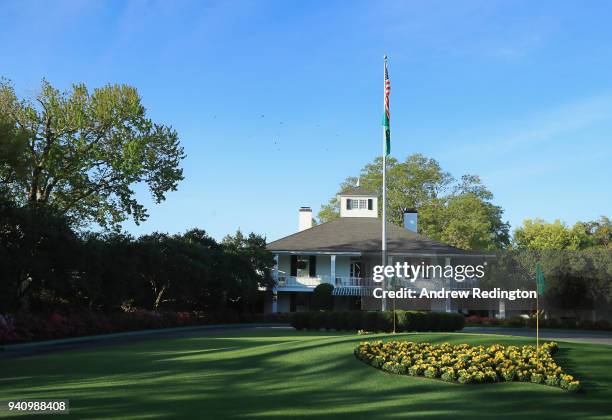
(468, 364)
(25, 327)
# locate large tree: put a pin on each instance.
(249, 270)
(38, 256)
(81, 153)
(410, 184)
(459, 213)
(465, 220)
(538, 234)
(599, 232)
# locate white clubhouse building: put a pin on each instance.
(344, 251)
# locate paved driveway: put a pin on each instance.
(34, 348)
(595, 337)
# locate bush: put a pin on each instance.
(489, 321)
(23, 327)
(299, 320)
(370, 321)
(276, 317)
(377, 321)
(342, 321)
(322, 298)
(568, 323)
(354, 320)
(515, 321)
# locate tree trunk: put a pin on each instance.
(158, 297)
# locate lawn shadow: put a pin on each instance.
(277, 375)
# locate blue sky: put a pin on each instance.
(276, 102)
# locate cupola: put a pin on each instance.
(358, 202)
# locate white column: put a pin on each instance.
(274, 289)
(447, 304)
(332, 270)
(275, 269)
(502, 309)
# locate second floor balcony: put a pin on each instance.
(305, 282)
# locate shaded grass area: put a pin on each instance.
(277, 374)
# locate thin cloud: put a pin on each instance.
(544, 127)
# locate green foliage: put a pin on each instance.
(81, 153)
(37, 255)
(600, 232)
(456, 212)
(537, 234)
(13, 145)
(109, 270)
(465, 220)
(378, 320)
(410, 184)
(44, 267)
(575, 280)
(322, 298)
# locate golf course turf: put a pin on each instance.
(281, 373)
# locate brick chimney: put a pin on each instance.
(305, 220)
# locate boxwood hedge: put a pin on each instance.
(376, 321)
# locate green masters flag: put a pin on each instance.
(387, 115)
(541, 283)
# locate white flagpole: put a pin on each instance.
(384, 200)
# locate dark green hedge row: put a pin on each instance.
(378, 321)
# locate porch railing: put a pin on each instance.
(294, 281)
(352, 281)
(312, 282)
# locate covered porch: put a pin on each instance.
(304, 272)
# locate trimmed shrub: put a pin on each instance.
(23, 327)
(342, 321)
(376, 321)
(322, 298)
(370, 321)
(384, 321)
(515, 321)
(354, 320)
(489, 321)
(299, 320)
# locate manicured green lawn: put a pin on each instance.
(276, 374)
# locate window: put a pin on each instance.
(355, 269)
(303, 266)
(357, 204)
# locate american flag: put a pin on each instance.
(387, 93)
(387, 115)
